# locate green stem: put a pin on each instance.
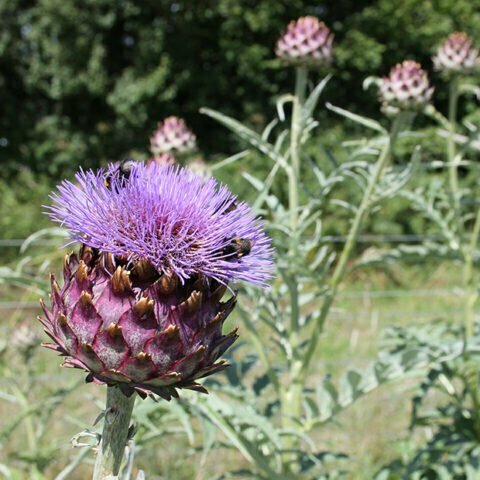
(451, 151)
(299, 99)
(114, 436)
(294, 180)
(468, 279)
(291, 278)
(341, 266)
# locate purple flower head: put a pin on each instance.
(406, 88)
(172, 135)
(306, 41)
(457, 55)
(169, 217)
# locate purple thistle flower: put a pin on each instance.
(141, 304)
(172, 135)
(180, 223)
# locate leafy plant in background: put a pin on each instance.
(453, 445)
(269, 408)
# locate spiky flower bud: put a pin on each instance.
(307, 41)
(406, 88)
(140, 305)
(456, 55)
(163, 159)
(199, 167)
(172, 135)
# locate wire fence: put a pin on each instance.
(333, 239)
(357, 295)
(367, 238)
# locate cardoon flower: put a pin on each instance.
(199, 167)
(140, 305)
(172, 135)
(307, 41)
(456, 55)
(406, 88)
(163, 159)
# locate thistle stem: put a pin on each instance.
(294, 180)
(291, 277)
(340, 269)
(451, 151)
(114, 436)
(468, 279)
(470, 290)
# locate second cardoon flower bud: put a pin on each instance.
(456, 55)
(172, 136)
(406, 88)
(163, 159)
(307, 41)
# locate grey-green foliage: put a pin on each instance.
(245, 407)
(452, 450)
(447, 401)
(250, 410)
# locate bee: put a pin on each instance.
(233, 205)
(238, 246)
(122, 172)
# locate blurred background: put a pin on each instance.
(85, 82)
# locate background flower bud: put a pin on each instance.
(406, 88)
(456, 55)
(172, 135)
(307, 41)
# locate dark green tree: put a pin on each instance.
(83, 82)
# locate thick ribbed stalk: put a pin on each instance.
(291, 277)
(471, 293)
(301, 366)
(114, 436)
(451, 150)
(293, 184)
